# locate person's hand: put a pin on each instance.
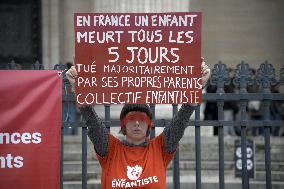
(71, 75)
(205, 72)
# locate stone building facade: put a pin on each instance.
(232, 31)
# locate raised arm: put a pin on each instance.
(175, 130)
(97, 131)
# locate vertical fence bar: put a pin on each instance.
(176, 175)
(243, 78)
(266, 104)
(266, 78)
(267, 158)
(197, 148)
(107, 116)
(62, 157)
(245, 182)
(84, 157)
(220, 104)
(65, 84)
(153, 108)
(220, 77)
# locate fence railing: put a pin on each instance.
(264, 78)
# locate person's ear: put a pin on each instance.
(148, 132)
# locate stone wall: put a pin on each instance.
(242, 30)
(232, 30)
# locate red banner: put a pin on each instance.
(30, 125)
(138, 58)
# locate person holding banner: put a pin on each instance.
(136, 162)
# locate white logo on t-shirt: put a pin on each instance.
(133, 173)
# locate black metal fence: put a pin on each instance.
(243, 78)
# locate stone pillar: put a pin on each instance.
(50, 33)
(58, 29)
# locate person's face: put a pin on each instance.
(137, 126)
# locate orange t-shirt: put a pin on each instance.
(135, 167)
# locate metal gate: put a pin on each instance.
(264, 78)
